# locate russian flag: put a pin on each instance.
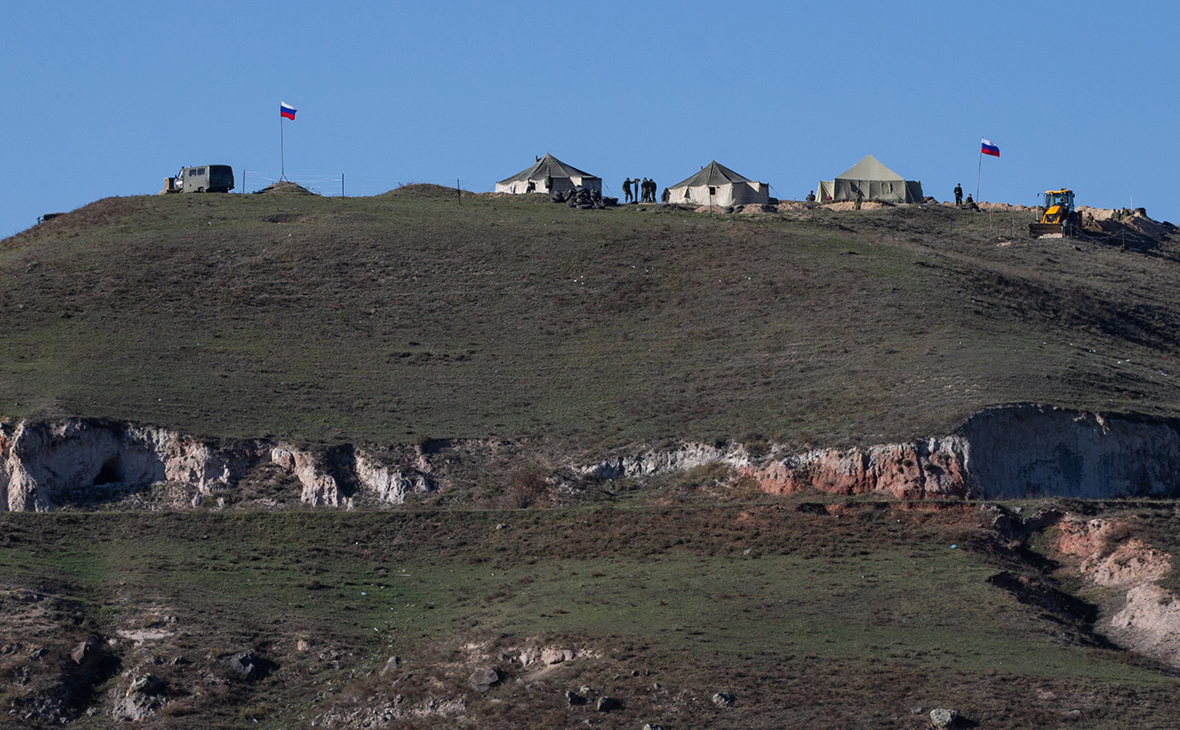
(987, 149)
(288, 112)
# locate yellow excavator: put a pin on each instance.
(1059, 217)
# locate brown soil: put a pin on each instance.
(284, 187)
(423, 190)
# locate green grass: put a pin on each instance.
(392, 319)
(870, 613)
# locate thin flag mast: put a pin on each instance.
(985, 148)
(286, 111)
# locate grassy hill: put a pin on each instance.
(860, 614)
(408, 316)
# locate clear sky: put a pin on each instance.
(108, 98)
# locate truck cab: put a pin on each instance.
(1058, 206)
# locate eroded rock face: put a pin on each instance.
(1149, 619)
(1029, 450)
(1150, 623)
(42, 464)
(1006, 452)
(999, 453)
(389, 484)
(934, 468)
(656, 461)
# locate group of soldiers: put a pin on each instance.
(639, 191)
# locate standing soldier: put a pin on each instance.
(811, 196)
(627, 190)
(958, 194)
(859, 198)
(653, 187)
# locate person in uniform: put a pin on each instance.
(958, 194)
(859, 198)
(811, 196)
(627, 190)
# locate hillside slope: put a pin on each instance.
(397, 318)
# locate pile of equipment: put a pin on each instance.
(584, 198)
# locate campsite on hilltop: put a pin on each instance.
(485, 460)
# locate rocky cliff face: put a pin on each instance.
(42, 464)
(999, 453)
(1147, 618)
(1021, 451)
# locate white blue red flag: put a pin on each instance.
(989, 149)
(288, 112)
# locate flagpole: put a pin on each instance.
(979, 173)
(282, 152)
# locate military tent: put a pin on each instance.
(718, 185)
(548, 168)
(874, 181)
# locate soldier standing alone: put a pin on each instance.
(958, 194)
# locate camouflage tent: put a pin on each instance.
(562, 176)
(718, 185)
(874, 181)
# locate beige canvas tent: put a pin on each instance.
(718, 185)
(562, 176)
(874, 181)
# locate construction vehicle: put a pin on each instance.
(207, 179)
(1058, 218)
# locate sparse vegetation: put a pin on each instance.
(393, 318)
(407, 321)
(862, 606)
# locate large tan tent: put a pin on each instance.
(874, 181)
(718, 185)
(562, 177)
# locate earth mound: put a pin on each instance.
(284, 187)
(421, 191)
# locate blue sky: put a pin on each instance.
(108, 98)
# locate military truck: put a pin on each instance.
(206, 179)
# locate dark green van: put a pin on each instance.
(207, 179)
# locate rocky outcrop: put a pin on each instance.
(1030, 450)
(999, 453)
(651, 462)
(320, 486)
(43, 464)
(1148, 620)
(390, 484)
(936, 468)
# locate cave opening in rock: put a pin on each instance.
(109, 473)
